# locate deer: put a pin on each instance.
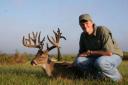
(42, 56)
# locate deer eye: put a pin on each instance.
(42, 57)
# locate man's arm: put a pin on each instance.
(101, 53)
(98, 53)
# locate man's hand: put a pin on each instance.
(85, 54)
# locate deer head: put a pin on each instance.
(41, 58)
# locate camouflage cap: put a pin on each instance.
(85, 17)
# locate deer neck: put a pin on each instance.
(48, 67)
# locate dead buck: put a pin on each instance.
(42, 59)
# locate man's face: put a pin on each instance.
(86, 25)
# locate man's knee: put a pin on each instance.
(103, 64)
(81, 60)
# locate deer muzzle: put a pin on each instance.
(33, 63)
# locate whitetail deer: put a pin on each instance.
(42, 59)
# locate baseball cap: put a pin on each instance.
(85, 17)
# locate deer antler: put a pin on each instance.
(34, 41)
(55, 40)
(58, 35)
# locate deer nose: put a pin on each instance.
(33, 62)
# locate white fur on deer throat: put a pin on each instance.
(44, 66)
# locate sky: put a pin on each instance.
(20, 17)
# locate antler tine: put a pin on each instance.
(56, 36)
(50, 48)
(53, 39)
(59, 31)
(43, 40)
(29, 38)
(53, 43)
(34, 37)
(41, 43)
(23, 41)
(39, 37)
(60, 34)
(63, 37)
(47, 46)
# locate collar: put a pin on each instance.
(94, 31)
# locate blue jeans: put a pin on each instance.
(105, 65)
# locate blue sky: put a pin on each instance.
(20, 17)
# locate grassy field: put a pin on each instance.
(25, 74)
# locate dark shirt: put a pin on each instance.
(100, 40)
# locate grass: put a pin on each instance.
(25, 74)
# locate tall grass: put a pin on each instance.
(17, 58)
(24, 74)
